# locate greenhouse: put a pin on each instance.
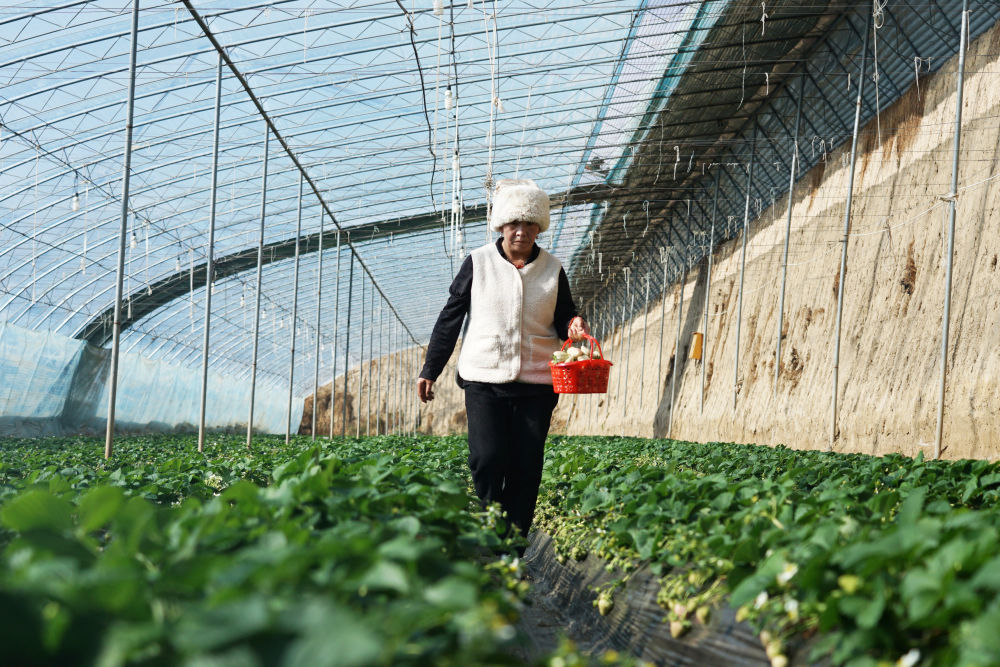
(748, 367)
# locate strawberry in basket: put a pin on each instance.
(580, 369)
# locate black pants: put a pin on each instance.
(507, 449)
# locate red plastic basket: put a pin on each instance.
(589, 376)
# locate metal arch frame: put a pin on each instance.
(237, 366)
(153, 121)
(838, 117)
(608, 96)
(649, 119)
(237, 262)
(292, 91)
(69, 170)
(154, 93)
(61, 305)
(56, 266)
(162, 183)
(820, 91)
(191, 347)
(237, 45)
(72, 257)
(751, 117)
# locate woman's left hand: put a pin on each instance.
(578, 328)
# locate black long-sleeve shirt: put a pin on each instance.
(449, 326)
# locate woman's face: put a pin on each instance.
(520, 236)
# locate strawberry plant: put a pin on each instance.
(356, 552)
(853, 559)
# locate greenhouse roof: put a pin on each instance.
(390, 118)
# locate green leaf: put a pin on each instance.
(912, 506)
(750, 587)
(99, 506)
(333, 637)
(870, 614)
(988, 575)
(36, 510)
(452, 593)
(207, 628)
(386, 575)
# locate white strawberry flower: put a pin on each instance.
(790, 570)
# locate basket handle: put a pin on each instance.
(593, 342)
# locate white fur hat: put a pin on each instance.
(519, 200)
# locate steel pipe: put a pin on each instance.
(209, 263)
(361, 361)
(381, 369)
(319, 329)
(946, 317)
(847, 231)
(708, 286)
(257, 287)
(336, 317)
(743, 262)
(371, 362)
(642, 364)
(347, 349)
(109, 434)
(628, 346)
(295, 317)
(663, 315)
(397, 389)
(788, 230)
(677, 360)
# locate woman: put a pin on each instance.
(519, 309)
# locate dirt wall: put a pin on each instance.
(890, 340)
(391, 403)
(889, 369)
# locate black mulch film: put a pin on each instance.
(561, 603)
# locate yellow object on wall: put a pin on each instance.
(696, 339)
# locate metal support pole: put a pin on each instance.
(257, 289)
(209, 263)
(347, 349)
(614, 349)
(381, 368)
(336, 317)
(788, 230)
(404, 406)
(407, 397)
(396, 377)
(319, 329)
(743, 262)
(361, 361)
(663, 315)
(371, 362)
(847, 231)
(295, 316)
(390, 384)
(628, 346)
(109, 435)
(677, 360)
(946, 318)
(708, 286)
(642, 365)
(415, 403)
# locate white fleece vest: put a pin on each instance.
(511, 334)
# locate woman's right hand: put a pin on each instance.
(425, 389)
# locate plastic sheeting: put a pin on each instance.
(637, 623)
(51, 384)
